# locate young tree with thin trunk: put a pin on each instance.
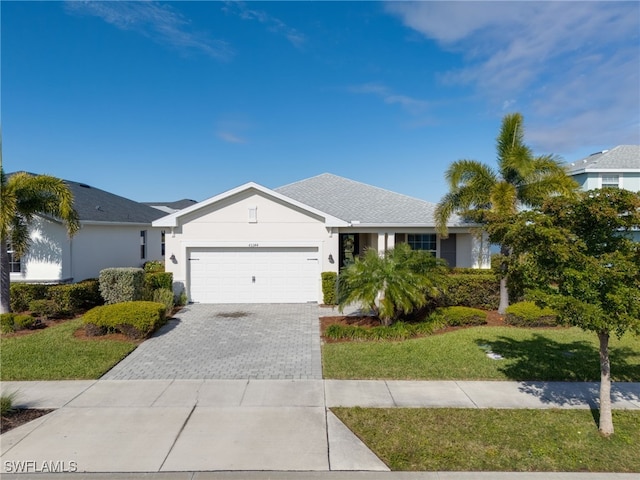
(483, 195)
(22, 197)
(587, 267)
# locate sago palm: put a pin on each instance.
(23, 197)
(396, 282)
(484, 195)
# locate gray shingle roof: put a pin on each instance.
(621, 157)
(170, 207)
(95, 205)
(354, 201)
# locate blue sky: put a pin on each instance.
(169, 100)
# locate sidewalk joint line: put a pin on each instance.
(386, 384)
(175, 440)
(467, 395)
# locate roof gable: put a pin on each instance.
(173, 220)
(621, 158)
(356, 202)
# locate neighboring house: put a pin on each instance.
(172, 207)
(618, 167)
(114, 232)
(253, 244)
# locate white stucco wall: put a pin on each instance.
(54, 257)
(96, 247)
(227, 224)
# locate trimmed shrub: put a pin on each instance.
(23, 322)
(119, 285)
(11, 322)
(153, 266)
(45, 309)
(82, 296)
(329, 288)
(164, 296)
(528, 314)
(7, 322)
(472, 290)
(24, 293)
(460, 316)
(134, 319)
(157, 280)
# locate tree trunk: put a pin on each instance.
(5, 279)
(606, 419)
(504, 290)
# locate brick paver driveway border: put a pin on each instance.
(230, 341)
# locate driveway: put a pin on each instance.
(230, 341)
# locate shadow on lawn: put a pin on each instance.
(549, 369)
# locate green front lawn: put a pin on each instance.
(55, 354)
(528, 354)
(450, 439)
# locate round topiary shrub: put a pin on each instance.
(528, 314)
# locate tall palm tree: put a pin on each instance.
(484, 195)
(22, 197)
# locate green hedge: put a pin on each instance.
(121, 284)
(21, 294)
(57, 300)
(460, 316)
(153, 266)
(478, 290)
(10, 322)
(157, 280)
(134, 319)
(329, 288)
(528, 314)
(166, 297)
(396, 331)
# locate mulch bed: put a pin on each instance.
(20, 417)
(494, 319)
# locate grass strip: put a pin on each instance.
(561, 354)
(55, 354)
(450, 439)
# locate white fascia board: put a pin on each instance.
(173, 219)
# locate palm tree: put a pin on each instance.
(22, 197)
(396, 282)
(481, 194)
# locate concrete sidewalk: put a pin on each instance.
(155, 426)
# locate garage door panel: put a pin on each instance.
(252, 275)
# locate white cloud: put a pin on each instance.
(412, 105)
(572, 67)
(273, 24)
(230, 137)
(157, 21)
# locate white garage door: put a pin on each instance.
(254, 275)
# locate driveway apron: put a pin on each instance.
(230, 341)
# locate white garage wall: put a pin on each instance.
(227, 224)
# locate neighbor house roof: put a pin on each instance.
(95, 205)
(171, 207)
(621, 158)
(356, 202)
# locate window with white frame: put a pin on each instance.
(15, 265)
(610, 181)
(422, 241)
(143, 244)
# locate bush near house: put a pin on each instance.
(11, 322)
(55, 301)
(166, 297)
(528, 314)
(21, 294)
(121, 284)
(153, 266)
(135, 319)
(329, 288)
(459, 316)
(475, 290)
